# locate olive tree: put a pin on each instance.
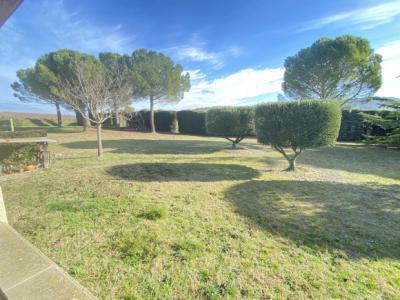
(344, 69)
(232, 123)
(291, 127)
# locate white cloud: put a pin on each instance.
(198, 54)
(390, 69)
(195, 75)
(71, 30)
(233, 89)
(194, 51)
(366, 18)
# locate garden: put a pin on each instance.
(185, 216)
(293, 199)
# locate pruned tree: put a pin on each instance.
(90, 83)
(157, 78)
(232, 123)
(297, 125)
(344, 68)
(119, 69)
(84, 83)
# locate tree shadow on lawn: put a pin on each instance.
(350, 221)
(360, 159)
(182, 172)
(152, 146)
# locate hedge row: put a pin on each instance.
(192, 122)
(189, 122)
(352, 128)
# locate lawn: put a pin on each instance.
(179, 217)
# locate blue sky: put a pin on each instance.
(234, 50)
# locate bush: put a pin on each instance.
(19, 154)
(231, 122)
(192, 122)
(163, 119)
(297, 125)
(354, 126)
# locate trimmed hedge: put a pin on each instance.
(163, 120)
(297, 125)
(231, 122)
(192, 122)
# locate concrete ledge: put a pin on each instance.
(26, 273)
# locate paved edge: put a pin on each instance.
(52, 265)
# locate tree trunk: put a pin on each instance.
(59, 117)
(99, 141)
(152, 124)
(234, 145)
(79, 118)
(85, 121)
(292, 164)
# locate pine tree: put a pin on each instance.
(389, 121)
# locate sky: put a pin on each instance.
(234, 50)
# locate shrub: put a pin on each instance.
(389, 121)
(192, 122)
(297, 125)
(163, 119)
(354, 126)
(232, 123)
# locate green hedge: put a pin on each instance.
(302, 124)
(192, 122)
(297, 125)
(163, 119)
(353, 128)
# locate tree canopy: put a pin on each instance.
(388, 120)
(344, 68)
(232, 123)
(83, 82)
(297, 125)
(32, 87)
(157, 78)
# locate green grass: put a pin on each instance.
(35, 121)
(181, 217)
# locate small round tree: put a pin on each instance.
(297, 126)
(232, 123)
